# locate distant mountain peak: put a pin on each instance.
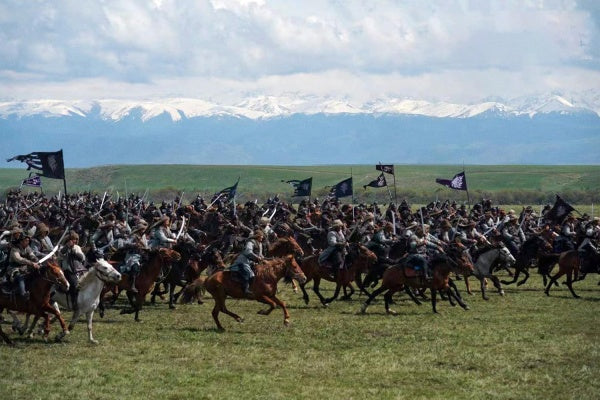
(267, 106)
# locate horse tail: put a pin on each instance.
(194, 290)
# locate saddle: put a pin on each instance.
(413, 272)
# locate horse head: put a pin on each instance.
(106, 272)
(54, 274)
(284, 246)
(293, 270)
(506, 256)
(364, 255)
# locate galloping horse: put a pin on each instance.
(485, 264)
(90, 286)
(146, 278)
(397, 278)
(264, 287)
(181, 273)
(361, 258)
(40, 283)
(532, 248)
(569, 263)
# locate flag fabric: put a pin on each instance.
(50, 164)
(229, 191)
(301, 188)
(34, 181)
(459, 182)
(387, 168)
(343, 188)
(559, 211)
(379, 182)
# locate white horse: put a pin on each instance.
(484, 266)
(90, 287)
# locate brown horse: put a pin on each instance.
(398, 277)
(569, 263)
(211, 261)
(149, 271)
(361, 258)
(39, 283)
(264, 287)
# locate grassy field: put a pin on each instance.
(506, 184)
(521, 346)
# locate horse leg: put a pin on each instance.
(338, 286)
(304, 294)
(570, 285)
(497, 284)
(412, 295)
(467, 284)
(265, 299)
(526, 273)
(172, 297)
(482, 284)
(552, 281)
(90, 316)
(316, 283)
(515, 276)
(348, 296)
(17, 326)
(155, 292)
(215, 314)
(388, 300)
(74, 319)
(375, 293)
(51, 310)
(434, 300)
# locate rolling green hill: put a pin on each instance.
(507, 184)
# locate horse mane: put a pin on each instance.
(266, 269)
(86, 278)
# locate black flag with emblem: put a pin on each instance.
(229, 192)
(377, 183)
(342, 189)
(559, 211)
(301, 188)
(459, 182)
(387, 168)
(50, 164)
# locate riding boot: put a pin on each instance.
(21, 286)
(133, 278)
(246, 287)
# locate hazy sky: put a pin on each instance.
(460, 51)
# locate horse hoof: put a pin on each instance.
(286, 322)
(502, 293)
(363, 309)
(392, 312)
(172, 307)
(240, 320)
(466, 307)
(94, 341)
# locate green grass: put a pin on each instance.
(505, 183)
(521, 346)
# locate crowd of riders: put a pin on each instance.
(36, 227)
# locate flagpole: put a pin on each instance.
(352, 180)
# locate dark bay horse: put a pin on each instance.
(149, 271)
(401, 277)
(569, 263)
(360, 258)
(39, 283)
(532, 249)
(264, 287)
(182, 272)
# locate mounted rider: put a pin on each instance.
(420, 245)
(162, 235)
(588, 245)
(72, 263)
(41, 243)
(21, 262)
(512, 235)
(244, 262)
(336, 251)
(381, 242)
(134, 245)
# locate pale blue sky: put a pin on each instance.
(458, 51)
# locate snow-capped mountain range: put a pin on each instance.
(266, 107)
